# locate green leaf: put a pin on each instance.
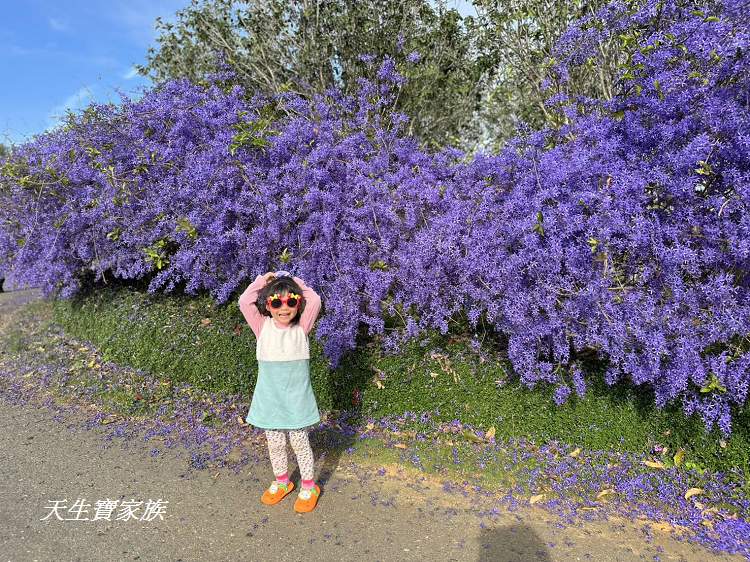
(183, 224)
(713, 384)
(538, 226)
(679, 457)
(285, 256)
(704, 169)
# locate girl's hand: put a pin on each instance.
(268, 276)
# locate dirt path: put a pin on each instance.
(218, 515)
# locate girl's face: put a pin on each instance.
(283, 315)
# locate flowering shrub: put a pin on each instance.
(624, 233)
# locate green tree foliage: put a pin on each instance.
(307, 46)
(516, 39)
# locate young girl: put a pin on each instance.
(281, 311)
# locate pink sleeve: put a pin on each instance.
(312, 306)
(248, 308)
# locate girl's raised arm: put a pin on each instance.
(247, 304)
(312, 306)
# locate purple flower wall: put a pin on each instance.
(624, 233)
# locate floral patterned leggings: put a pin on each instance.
(301, 445)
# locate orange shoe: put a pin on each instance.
(307, 499)
(276, 492)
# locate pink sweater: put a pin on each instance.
(256, 319)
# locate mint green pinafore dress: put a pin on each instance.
(283, 397)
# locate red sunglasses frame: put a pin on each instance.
(284, 300)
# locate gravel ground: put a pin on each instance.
(50, 456)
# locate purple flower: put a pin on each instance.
(623, 231)
(561, 394)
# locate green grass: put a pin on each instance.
(435, 458)
(15, 341)
(165, 336)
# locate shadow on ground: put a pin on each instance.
(511, 544)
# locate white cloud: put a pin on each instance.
(58, 25)
(132, 73)
(74, 102)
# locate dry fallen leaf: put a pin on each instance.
(400, 446)
(536, 499)
(693, 492)
(654, 464)
(238, 329)
(667, 527)
(241, 420)
(379, 384)
(576, 452)
(471, 436)
(206, 321)
(604, 493)
(662, 526)
(370, 426)
(490, 433)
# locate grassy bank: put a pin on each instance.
(192, 340)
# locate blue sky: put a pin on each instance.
(64, 54)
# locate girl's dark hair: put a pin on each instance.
(280, 285)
